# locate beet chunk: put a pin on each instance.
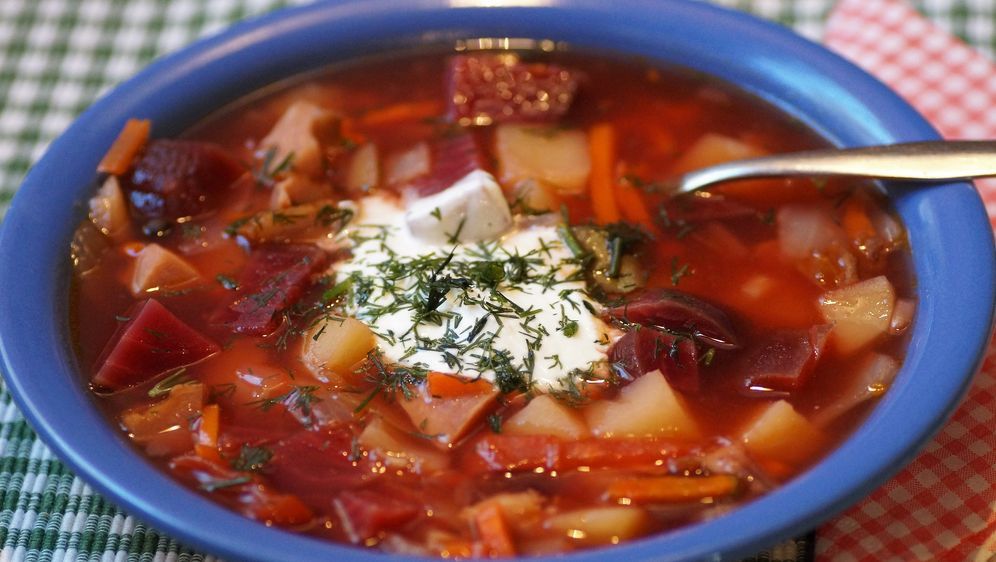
(646, 349)
(152, 342)
(784, 359)
(486, 89)
(678, 312)
(450, 159)
(178, 178)
(273, 279)
(366, 513)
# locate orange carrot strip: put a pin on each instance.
(601, 145)
(442, 385)
(493, 531)
(856, 222)
(131, 139)
(673, 489)
(413, 110)
(633, 207)
(207, 434)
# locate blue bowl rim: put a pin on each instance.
(839, 100)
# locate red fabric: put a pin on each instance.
(943, 505)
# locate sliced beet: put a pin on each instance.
(646, 349)
(678, 312)
(486, 89)
(317, 465)
(366, 513)
(178, 178)
(150, 343)
(450, 159)
(784, 359)
(273, 279)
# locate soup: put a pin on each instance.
(442, 304)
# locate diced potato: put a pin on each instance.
(816, 244)
(301, 133)
(158, 269)
(163, 428)
(860, 312)
(363, 174)
(400, 450)
(336, 344)
(647, 406)
(403, 167)
(782, 434)
(472, 209)
(551, 156)
(108, 209)
(296, 189)
(448, 418)
(545, 415)
(713, 148)
(601, 525)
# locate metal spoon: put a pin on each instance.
(928, 161)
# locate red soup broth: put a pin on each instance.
(741, 334)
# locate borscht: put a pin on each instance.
(441, 303)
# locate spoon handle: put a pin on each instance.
(917, 161)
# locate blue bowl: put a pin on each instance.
(948, 228)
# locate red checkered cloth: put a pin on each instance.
(943, 505)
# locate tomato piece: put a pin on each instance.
(274, 278)
(646, 349)
(784, 359)
(244, 492)
(150, 343)
(486, 89)
(178, 178)
(678, 312)
(366, 513)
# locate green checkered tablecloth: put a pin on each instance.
(56, 58)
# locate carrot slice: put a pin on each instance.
(207, 433)
(442, 385)
(493, 531)
(131, 139)
(602, 145)
(633, 207)
(673, 489)
(413, 110)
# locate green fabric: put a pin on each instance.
(56, 58)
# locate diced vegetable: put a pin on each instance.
(152, 342)
(130, 141)
(158, 269)
(860, 312)
(363, 174)
(606, 247)
(521, 509)
(714, 148)
(208, 430)
(602, 146)
(872, 377)
(645, 350)
(782, 434)
(403, 167)
(336, 344)
(441, 385)
(673, 488)
(784, 359)
(244, 493)
(902, 316)
(163, 428)
(486, 89)
(493, 532)
(297, 189)
(647, 406)
(448, 159)
(366, 513)
(273, 279)
(816, 244)
(109, 210)
(399, 450)
(545, 415)
(678, 312)
(299, 137)
(86, 247)
(601, 525)
(178, 178)
(472, 209)
(551, 156)
(447, 419)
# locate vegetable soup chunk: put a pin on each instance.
(440, 304)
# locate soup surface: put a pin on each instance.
(441, 303)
